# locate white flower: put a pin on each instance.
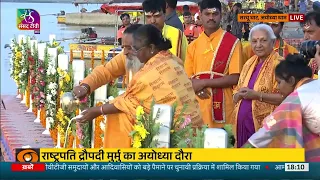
(52, 86)
(49, 96)
(111, 98)
(53, 92)
(53, 71)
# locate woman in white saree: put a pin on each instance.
(295, 123)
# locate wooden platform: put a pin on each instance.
(18, 129)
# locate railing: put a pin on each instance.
(93, 55)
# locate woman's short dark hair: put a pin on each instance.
(149, 34)
(294, 65)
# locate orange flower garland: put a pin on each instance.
(35, 111)
(70, 141)
(98, 131)
(43, 117)
(54, 135)
(28, 93)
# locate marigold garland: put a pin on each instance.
(35, 112)
(28, 94)
(54, 136)
(98, 132)
(43, 117)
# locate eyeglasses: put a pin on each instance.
(137, 50)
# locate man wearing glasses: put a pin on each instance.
(280, 45)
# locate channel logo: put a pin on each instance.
(28, 19)
(27, 155)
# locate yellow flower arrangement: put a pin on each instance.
(18, 55)
(63, 121)
(144, 129)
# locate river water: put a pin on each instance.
(48, 26)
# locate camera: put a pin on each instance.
(308, 49)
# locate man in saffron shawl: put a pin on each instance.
(256, 94)
(280, 45)
(214, 62)
(311, 29)
(155, 13)
(124, 64)
(295, 123)
(162, 78)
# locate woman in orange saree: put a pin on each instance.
(295, 123)
(256, 94)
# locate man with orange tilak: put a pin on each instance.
(214, 63)
(280, 45)
(125, 63)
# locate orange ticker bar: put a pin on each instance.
(270, 18)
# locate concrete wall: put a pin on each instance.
(92, 19)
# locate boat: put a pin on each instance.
(90, 46)
(61, 17)
(113, 8)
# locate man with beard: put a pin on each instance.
(280, 45)
(155, 14)
(311, 29)
(214, 62)
(125, 63)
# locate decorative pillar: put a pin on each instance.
(52, 63)
(52, 37)
(32, 44)
(41, 50)
(165, 119)
(78, 67)
(215, 138)
(63, 61)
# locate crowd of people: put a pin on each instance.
(267, 91)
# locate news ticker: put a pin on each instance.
(160, 155)
(192, 170)
(271, 18)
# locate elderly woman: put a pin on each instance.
(162, 78)
(256, 94)
(295, 123)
